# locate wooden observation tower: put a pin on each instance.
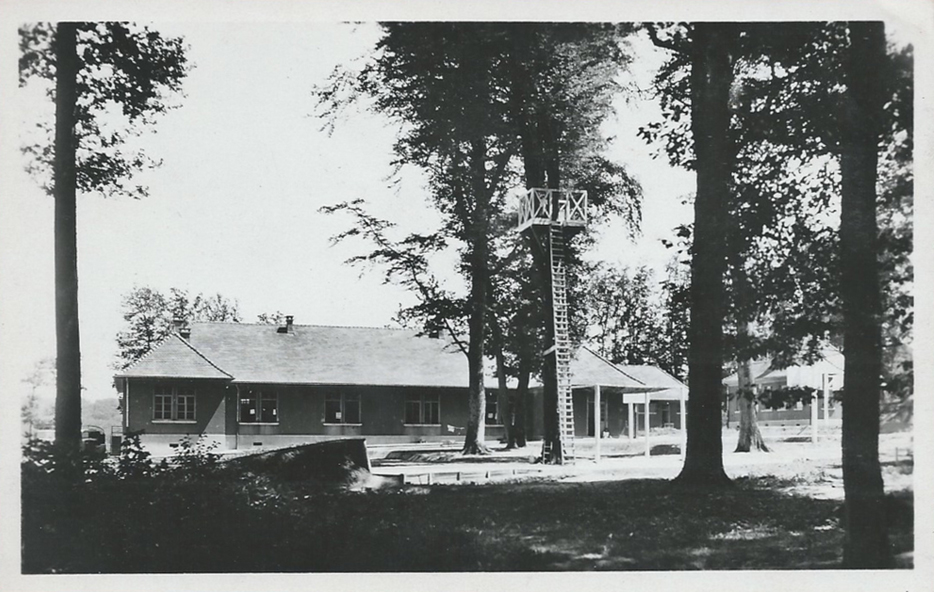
(550, 217)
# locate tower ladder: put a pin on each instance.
(562, 344)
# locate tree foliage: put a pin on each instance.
(437, 81)
(150, 317)
(110, 81)
(811, 103)
(785, 196)
(271, 318)
(33, 411)
(405, 262)
(784, 253)
(463, 95)
(128, 76)
(788, 397)
(633, 318)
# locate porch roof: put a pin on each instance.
(757, 369)
(666, 386)
(588, 368)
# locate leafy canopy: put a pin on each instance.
(128, 75)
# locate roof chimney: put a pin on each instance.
(178, 322)
(185, 332)
(288, 325)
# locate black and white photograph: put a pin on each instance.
(390, 295)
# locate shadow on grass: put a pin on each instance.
(237, 523)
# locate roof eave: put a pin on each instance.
(357, 384)
(170, 377)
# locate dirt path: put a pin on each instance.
(814, 469)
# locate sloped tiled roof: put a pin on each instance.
(652, 376)
(763, 372)
(668, 387)
(174, 357)
(757, 368)
(588, 368)
(769, 375)
(314, 354)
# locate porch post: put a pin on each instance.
(683, 424)
(647, 425)
(237, 416)
(814, 418)
(596, 421)
(825, 384)
(632, 421)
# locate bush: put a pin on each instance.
(45, 460)
(196, 458)
(38, 457)
(787, 397)
(135, 462)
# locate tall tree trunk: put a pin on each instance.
(68, 345)
(549, 137)
(552, 433)
(479, 285)
(538, 149)
(749, 435)
(503, 406)
(551, 436)
(524, 105)
(541, 247)
(519, 431)
(866, 545)
(711, 76)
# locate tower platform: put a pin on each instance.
(549, 207)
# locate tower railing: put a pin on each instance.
(563, 207)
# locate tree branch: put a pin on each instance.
(413, 264)
(668, 44)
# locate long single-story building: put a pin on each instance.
(244, 385)
(255, 385)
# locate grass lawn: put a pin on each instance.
(248, 523)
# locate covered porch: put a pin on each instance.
(597, 382)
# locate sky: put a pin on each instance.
(234, 207)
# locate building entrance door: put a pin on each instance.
(590, 416)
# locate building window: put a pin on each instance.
(422, 409)
(492, 409)
(666, 414)
(259, 407)
(342, 408)
(171, 403)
